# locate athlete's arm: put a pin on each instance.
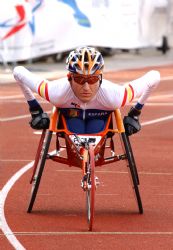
(52, 91)
(141, 88)
(117, 96)
(29, 82)
(113, 96)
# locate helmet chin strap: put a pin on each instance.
(101, 79)
(69, 77)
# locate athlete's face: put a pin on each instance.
(85, 87)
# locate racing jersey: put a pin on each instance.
(109, 96)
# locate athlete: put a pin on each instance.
(84, 97)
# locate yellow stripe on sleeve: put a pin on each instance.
(129, 93)
(42, 89)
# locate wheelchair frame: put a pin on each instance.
(85, 152)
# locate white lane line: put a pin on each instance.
(97, 171)
(14, 118)
(20, 101)
(163, 96)
(166, 78)
(3, 195)
(155, 173)
(12, 160)
(113, 172)
(164, 194)
(14, 96)
(91, 233)
(160, 104)
(11, 97)
(162, 119)
(102, 194)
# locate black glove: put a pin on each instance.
(131, 122)
(39, 119)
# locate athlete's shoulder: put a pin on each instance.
(107, 83)
(61, 83)
(62, 80)
(59, 91)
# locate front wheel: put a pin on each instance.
(90, 191)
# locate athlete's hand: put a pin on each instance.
(40, 120)
(131, 122)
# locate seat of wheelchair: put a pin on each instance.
(85, 136)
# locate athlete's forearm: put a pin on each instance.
(27, 92)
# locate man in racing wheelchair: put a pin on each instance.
(84, 97)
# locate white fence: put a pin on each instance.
(34, 28)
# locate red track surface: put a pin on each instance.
(58, 220)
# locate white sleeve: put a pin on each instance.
(29, 96)
(144, 85)
(25, 77)
(116, 96)
(54, 92)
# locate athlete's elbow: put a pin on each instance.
(18, 69)
(157, 78)
(156, 75)
(18, 72)
(154, 78)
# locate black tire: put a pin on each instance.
(133, 160)
(37, 156)
(133, 171)
(39, 170)
(90, 193)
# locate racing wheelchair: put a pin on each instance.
(85, 152)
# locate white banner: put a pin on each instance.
(34, 28)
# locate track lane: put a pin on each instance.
(122, 212)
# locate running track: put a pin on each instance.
(58, 220)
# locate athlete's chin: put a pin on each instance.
(85, 97)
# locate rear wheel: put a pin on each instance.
(133, 170)
(39, 170)
(37, 157)
(90, 191)
(133, 160)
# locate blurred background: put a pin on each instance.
(42, 30)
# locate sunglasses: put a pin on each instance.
(82, 79)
